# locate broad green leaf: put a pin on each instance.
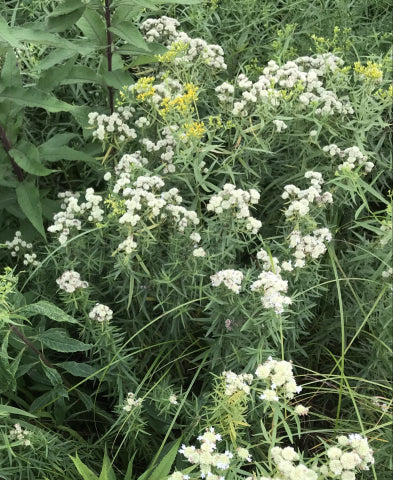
(57, 140)
(10, 74)
(52, 77)
(140, 4)
(86, 473)
(32, 97)
(66, 7)
(118, 79)
(107, 472)
(93, 27)
(29, 201)
(7, 36)
(81, 74)
(128, 32)
(29, 163)
(57, 56)
(83, 370)
(52, 375)
(179, 2)
(7, 380)
(162, 469)
(6, 411)
(57, 339)
(48, 397)
(48, 310)
(63, 22)
(64, 153)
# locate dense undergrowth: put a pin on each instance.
(196, 230)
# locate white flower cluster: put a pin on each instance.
(19, 433)
(273, 286)
(101, 313)
(124, 170)
(280, 125)
(301, 199)
(166, 145)
(225, 92)
(132, 402)
(304, 72)
(237, 383)
(129, 245)
(312, 246)
(285, 459)
(238, 201)
(301, 410)
(199, 252)
(352, 158)
(66, 220)
(17, 246)
(205, 456)
(271, 283)
(164, 30)
(113, 125)
(388, 273)
(352, 453)
(278, 376)
(70, 281)
(232, 279)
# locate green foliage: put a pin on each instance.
(168, 225)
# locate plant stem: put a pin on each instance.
(31, 346)
(109, 49)
(7, 147)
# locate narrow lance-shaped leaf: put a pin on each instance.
(29, 201)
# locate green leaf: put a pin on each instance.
(57, 140)
(6, 411)
(52, 375)
(128, 32)
(162, 469)
(64, 153)
(93, 27)
(107, 472)
(81, 74)
(58, 55)
(54, 75)
(57, 339)
(76, 369)
(29, 163)
(48, 397)
(10, 74)
(63, 22)
(48, 310)
(66, 7)
(7, 36)
(7, 380)
(118, 78)
(32, 97)
(29, 201)
(86, 473)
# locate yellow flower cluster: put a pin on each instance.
(118, 206)
(195, 130)
(371, 70)
(144, 87)
(182, 103)
(175, 49)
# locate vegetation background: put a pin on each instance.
(116, 398)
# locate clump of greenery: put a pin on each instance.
(209, 294)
